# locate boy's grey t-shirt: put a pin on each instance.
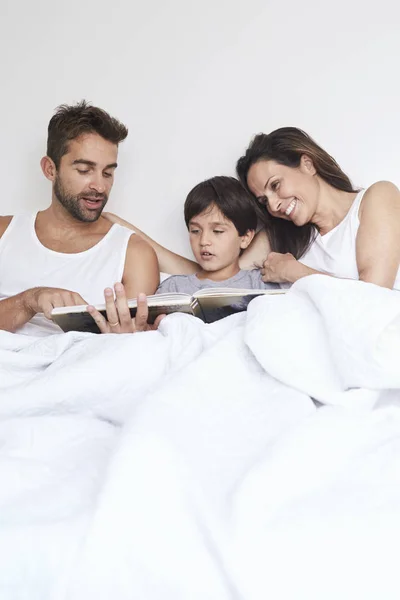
(189, 284)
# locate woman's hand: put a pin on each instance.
(118, 315)
(283, 268)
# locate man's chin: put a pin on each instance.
(87, 216)
(90, 215)
(93, 216)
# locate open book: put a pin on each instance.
(210, 304)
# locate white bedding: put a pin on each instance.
(191, 462)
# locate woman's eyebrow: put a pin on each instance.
(265, 186)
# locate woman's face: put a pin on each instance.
(287, 193)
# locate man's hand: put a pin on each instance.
(44, 299)
(118, 316)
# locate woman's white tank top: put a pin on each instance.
(25, 263)
(335, 252)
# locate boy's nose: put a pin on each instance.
(204, 241)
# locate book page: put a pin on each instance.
(218, 306)
(224, 292)
(76, 318)
(155, 300)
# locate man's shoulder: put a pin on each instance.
(140, 253)
(4, 223)
(137, 245)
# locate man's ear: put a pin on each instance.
(307, 165)
(48, 168)
(247, 238)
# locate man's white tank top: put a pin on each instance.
(25, 263)
(335, 252)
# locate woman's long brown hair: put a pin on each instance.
(286, 146)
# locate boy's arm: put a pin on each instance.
(169, 262)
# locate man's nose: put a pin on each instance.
(97, 183)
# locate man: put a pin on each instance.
(69, 253)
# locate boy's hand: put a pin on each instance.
(118, 315)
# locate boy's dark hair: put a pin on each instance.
(229, 196)
(69, 122)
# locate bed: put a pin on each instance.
(257, 457)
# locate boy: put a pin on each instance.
(221, 221)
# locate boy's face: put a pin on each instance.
(215, 241)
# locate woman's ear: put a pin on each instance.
(307, 165)
(48, 168)
(247, 238)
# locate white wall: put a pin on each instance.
(194, 80)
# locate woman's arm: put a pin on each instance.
(254, 256)
(377, 243)
(168, 261)
(378, 237)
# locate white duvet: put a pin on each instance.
(191, 463)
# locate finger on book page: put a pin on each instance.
(122, 307)
(142, 313)
(100, 321)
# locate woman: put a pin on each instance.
(315, 221)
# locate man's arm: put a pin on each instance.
(4, 223)
(141, 274)
(141, 277)
(13, 312)
(18, 310)
(169, 262)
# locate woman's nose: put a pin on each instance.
(274, 203)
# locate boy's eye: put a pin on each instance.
(194, 231)
(83, 172)
(108, 174)
(218, 231)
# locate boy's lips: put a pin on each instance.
(206, 255)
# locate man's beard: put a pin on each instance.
(73, 205)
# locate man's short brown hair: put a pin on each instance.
(69, 122)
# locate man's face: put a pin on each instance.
(85, 176)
